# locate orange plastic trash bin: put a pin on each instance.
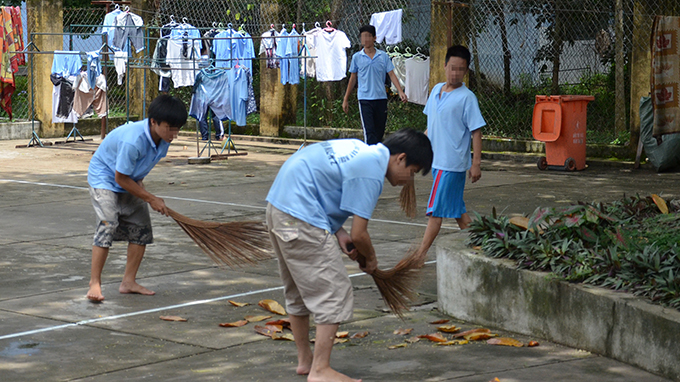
(560, 122)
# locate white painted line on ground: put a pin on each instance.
(154, 310)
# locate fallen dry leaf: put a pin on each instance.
(448, 328)
(532, 344)
(256, 318)
(279, 328)
(283, 336)
(238, 304)
(235, 324)
(439, 322)
(397, 346)
(505, 341)
(249, 175)
(660, 203)
(479, 336)
(465, 333)
(495, 380)
(265, 331)
(173, 318)
(454, 342)
(403, 332)
(285, 322)
(434, 337)
(359, 335)
(340, 340)
(520, 221)
(341, 334)
(412, 340)
(272, 306)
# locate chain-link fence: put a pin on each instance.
(520, 48)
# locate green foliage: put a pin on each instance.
(625, 245)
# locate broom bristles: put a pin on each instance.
(407, 198)
(228, 244)
(397, 285)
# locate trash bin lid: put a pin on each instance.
(572, 98)
(547, 121)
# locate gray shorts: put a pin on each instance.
(120, 217)
(314, 277)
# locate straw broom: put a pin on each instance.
(407, 198)
(231, 244)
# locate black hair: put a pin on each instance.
(166, 108)
(415, 144)
(367, 28)
(458, 51)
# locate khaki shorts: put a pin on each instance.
(314, 277)
(120, 217)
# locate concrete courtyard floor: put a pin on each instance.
(50, 332)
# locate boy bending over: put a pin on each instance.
(315, 191)
(115, 177)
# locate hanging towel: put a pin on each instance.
(387, 26)
(666, 75)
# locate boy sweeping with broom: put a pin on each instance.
(315, 191)
(118, 195)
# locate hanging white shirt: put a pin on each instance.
(332, 62)
(309, 49)
(387, 26)
(399, 71)
(417, 79)
(120, 64)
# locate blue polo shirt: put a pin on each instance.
(451, 119)
(130, 150)
(371, 74)
(327, 182)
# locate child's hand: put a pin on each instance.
(403, 97)
(345, 106)
(475, 173)
(158, 205)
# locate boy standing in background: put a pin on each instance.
(453, 120)
(369, 67)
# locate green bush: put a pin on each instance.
(625, 245)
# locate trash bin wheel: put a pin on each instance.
(542, 163)
(570, 164)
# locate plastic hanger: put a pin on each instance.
(329, 26)
(317, 25)
(184, 20)
(419, 54)
(407, 52)
(127, 8)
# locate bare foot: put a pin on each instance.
(95, 293)
(304, 364)
(329, 375)
(135, 288)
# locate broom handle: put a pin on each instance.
(360, 258)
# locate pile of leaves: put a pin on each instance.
(631, 245)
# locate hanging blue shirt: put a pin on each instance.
(294, 63)
(281, 49)
(450, 120)
(327, 182)
(129, 150)
(94, 68)
(238, 88)
(108, 28)
(225, 50)
(371, 74)
(66, 62)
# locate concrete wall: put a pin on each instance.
(18, 130)
(493, 292)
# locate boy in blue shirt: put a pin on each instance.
(453, 120)
(315, 191)
(369, 67)
(118, 195)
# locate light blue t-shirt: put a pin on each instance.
(327, 182)
(66, 62)
(130, 150)
(371, 74)
(238, 93)
(450, 120)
